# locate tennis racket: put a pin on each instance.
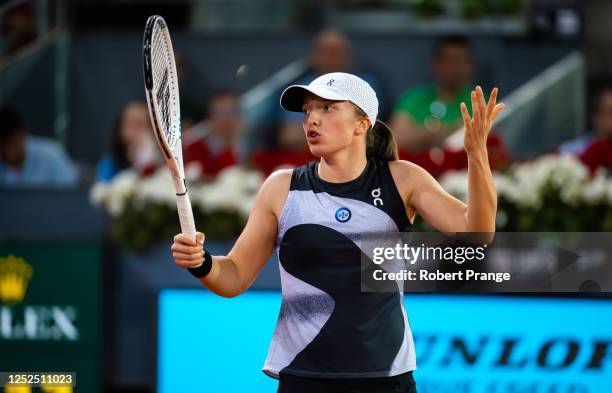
(162, 93)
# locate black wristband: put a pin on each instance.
(204, 268)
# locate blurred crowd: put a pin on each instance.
(422, 118)
(17, 28)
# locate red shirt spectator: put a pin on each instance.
(212, 144)
(436, 161)
(269, 160)
(292, 150)
(598, 155)
(210, 154)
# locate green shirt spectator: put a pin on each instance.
(425, 116)
(423, 104)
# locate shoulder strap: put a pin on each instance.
(300, 180)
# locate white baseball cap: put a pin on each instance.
(337, 86)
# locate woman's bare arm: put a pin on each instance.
(440, 209)
(233, 274)
(424, 195)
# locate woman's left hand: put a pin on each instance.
(478, 126)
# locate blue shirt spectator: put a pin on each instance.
(28, 161)
(107, 169)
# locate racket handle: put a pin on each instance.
(186, 215)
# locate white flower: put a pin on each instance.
(193, 171)
(157, 188)
(124, 182)
(253, 181)
(214, 197)
(121, 190)
(530, 179)
(99, 193)
(233, 190)
(597, 190)
(528, 182)
(456, 184)
(245, 207)
(564, 173)
(506, 187)
(239, 178)
(570, 176)
(115, 207)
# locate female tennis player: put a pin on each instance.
(330, 336)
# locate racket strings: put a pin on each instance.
(161, 71)
(163, 82)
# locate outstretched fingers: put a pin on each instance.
(483, 113)
(475, 108)
(491, 103)
(496, 111)
(482, 104)
(466, 115)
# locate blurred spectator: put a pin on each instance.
(595, 150)
(26, 160)
(578, 145)
(425, 116)
(18, 28)
(132, 144)
(212, 143)
(292, 151)
(330, 52)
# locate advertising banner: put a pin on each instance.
(50, 317)
(464, 343)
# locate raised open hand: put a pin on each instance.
(478, 126)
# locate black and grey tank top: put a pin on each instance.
(328, 327)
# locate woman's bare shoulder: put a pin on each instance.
(409, 177)
(279, 180)
(275, 189)
(402, 170)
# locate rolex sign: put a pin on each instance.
(50, 312)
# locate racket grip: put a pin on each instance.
(186, 215)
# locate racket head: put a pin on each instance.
(162, 91)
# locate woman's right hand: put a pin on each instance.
(186, 252)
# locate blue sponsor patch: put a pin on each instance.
(343, 214)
